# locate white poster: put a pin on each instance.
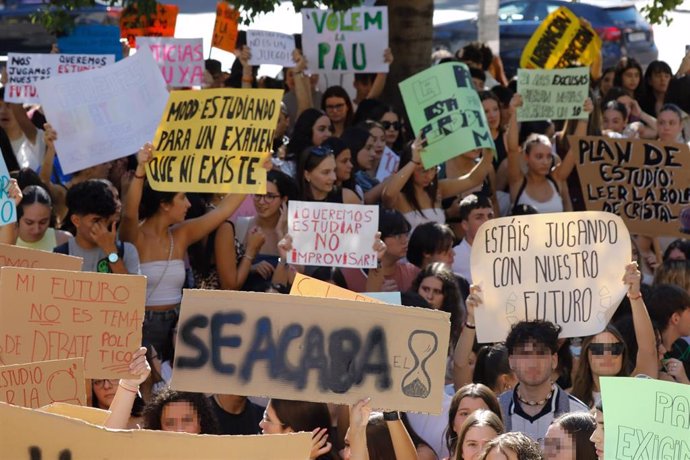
(106, 114)
(8, 210)
(270, 48)
(181, 60)
(349, 41)
(388, 164)
(332, 235)
(564, 267)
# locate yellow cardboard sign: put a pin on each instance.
(37, 384)
(16, 256)
(311, 287)
(28, 433)
(215, 141)
(562, 40)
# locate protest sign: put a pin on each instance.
(442, 104)
(311, 287)
(106, 114)
(40, 383)
(645, 418)
(25, 70)
(57, 314)
(557, 94)
(215, 141)
(159, 23)
(345, 41)
(8, 208)
(181, 60)
(311, 349)
(34, 434)
(17, 256)
(332, 234)
(386, 297)
(388, 164)
(560, 41)
(85, 413)
(645, 182)
(225, 28)
(559, 267)
(270, 48)
(92, 39)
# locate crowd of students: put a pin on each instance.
(533, 396)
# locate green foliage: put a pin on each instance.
(656, 10)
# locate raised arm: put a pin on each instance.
(515, 175)
(462, 370)
(357, 434)
(380, 80)
(8, 232)
(563, 169)
(402, 442)
(244, 55)
(391, 191)
(453, 187)
(302, 87)
(129, 223)
(121, 406)
(647, 361)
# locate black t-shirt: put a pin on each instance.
(681, 351)
(244, 423)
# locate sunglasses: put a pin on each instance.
(320, 151)
(396, 125)
(598, 349)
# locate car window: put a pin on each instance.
(623, 15)
(513, 11)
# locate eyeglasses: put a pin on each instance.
(396, 125)
(598, 349)
(268, 198)
(320, 151)
(100, 383)
(340, 106)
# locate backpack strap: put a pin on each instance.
(62, 249)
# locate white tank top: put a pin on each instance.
(554, 204)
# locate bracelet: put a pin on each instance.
(470, 326)
(128, 388)
(247, 256)
(391, 416)
(638, 296)
(416, 162)
(136, 176)
(282, 262)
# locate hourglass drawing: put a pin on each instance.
(422, 345)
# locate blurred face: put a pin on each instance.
(659, 81)
(322, 177)
(630, 79)
(391, 126)
(321, 130)
(85, 223)
(180, 416)
(379, 139)
(606, 82)
(467, 405)
(559, 444)
(598, 436)
(614, 121)
(343, 165)
(668, 126)
(396, 245)
(493, 113)
(336, 109)
(431, 288)
(475, 440)
(605, 354)
(365, 157)
(105, 390)
(424, 177)
(34, 222)
(475, 220)
(271, 424)
(268, 205)
(533, 363)
(539, 159)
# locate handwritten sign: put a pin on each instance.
(92, 39)
(8, 209)
(181, 60)
(311, 287)
(160, 23)
(39, 435)
(24, 70)
(388, 164)
(557, 94)
(441, 103)
(332, 234)
(86, 413)
(645, 182)
(311, 349)
(56, 314)
(225, 28)
(560, 41)
(17, 256)
(270, 48)
(215, 140)
(92, 112)
(655, 425)
(345, 41)
(563, 267)
(45, 382)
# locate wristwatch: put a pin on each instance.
(113, 257)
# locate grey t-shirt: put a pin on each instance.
(92, 256)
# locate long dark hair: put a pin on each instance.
(626, 63)
(33, 194)
(151, 200)
(408, 189)
(339, 91)
(302, 133)
(492, 362)
(580, 426)
(304, 416)
(153, 411)
(308, 161)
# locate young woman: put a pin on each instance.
(317, 178)
(467, 400)
(493, 369)
(344, 165)
(511, 446)
(312, 128)
(605, 82)
(669, 124)
(597, 437)
(478, 429)
(392, 124)
(35, 221)
(568, 437)
(366, 174)
(182, 412)
(337, 105)
(657, 80)
(628, 75)
(361, 145)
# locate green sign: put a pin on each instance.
(645, 419)
(442, 104)
(557, 94)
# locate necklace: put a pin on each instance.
(535, 403)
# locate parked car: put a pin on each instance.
(624, 32)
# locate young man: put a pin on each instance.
(535, 401)
(92, 210)
(474, 211)
(669, 308)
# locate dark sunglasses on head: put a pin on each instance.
(599, 349)
(396, 125)
(320, 151)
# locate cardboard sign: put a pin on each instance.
(17, 256)
(332, 234)
(158, 24)
(86, 413)
(92, 39)
(56, 314)
(37, 384)
(563, 267)
(345, 41)
(561, 41)
(28, 433)
(645, 418)
(388, 164)
(225, 28)
(442, 104)
(557, 94)
(25, 70)
(181, 60)
(214, 141)
(106, 114)
(311, 287)
(270, 48)
(8, 208)
(393, 298)
(311, 349)
(645, 182)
